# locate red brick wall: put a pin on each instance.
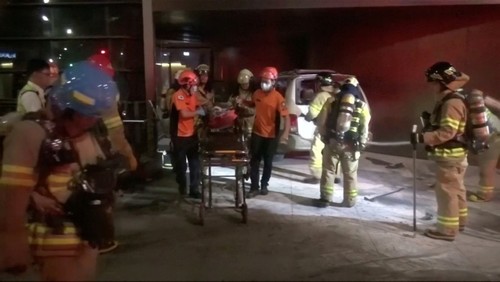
(387, 48)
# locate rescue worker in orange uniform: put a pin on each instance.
(488, 159)
(447, 147)
(115, 133)
(43, 169)
(184, 136)
(269, 107)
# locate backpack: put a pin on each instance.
(476, 128)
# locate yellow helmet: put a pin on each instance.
(244, 76)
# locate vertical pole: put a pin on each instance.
(414, 130)
(149, 68)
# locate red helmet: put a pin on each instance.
(103, 63)
(269, 73)
(188, 77)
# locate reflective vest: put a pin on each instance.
(29, 87)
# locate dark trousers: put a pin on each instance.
(186, 147)
(261, 148)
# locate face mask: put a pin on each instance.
(193, 89)
(266, 86)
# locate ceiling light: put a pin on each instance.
(46, 1)
(69, 31)
(65, 49)
(44, 18)
(51, 61)
(186, 54)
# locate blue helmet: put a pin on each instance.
(85, 89)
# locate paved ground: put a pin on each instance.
(287, 238)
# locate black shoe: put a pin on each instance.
(253, 192)
(322, 203)
(195, 195)
(337, 180)
(311, 180)
(182, 191)
(264, 190)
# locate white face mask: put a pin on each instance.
(266, 86)
(193, 89)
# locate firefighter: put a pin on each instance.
(32, 96)
(184, 136)
(42, 169)
(343, 126)
(245, 90)
(112, 118)
(204, 96)
(488, 159)
(115, 133)
(327, 89)
(444, 140)
(269, 106)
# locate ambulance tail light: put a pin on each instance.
(294, 124)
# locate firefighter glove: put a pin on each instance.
(426, 121)
(416, 138)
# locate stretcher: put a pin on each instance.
(223, 145)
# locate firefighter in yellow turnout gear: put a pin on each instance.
(343, 126)
(326, 85)
(446, 145)
(488, 159)
(47, 166)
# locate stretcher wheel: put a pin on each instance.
(201, 214)
(244, 213)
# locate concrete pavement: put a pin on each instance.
(289, 239)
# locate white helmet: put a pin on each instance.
(178, 73)
(351, 80)
(244, 76)
(202, 69)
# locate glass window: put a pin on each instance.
(125, 20)
(305, 91)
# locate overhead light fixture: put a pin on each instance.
(174, 65)
(69, 31)
(186, 54)
(65, 49)
(46, 1)
(6, 65)
(50, 60)
(45, 18)
(121, 53)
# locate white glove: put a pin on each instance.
(200, 111)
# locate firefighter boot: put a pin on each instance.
(311, 180)
(434, 234)
(485, 194)
(349, 199)
(322, 203)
